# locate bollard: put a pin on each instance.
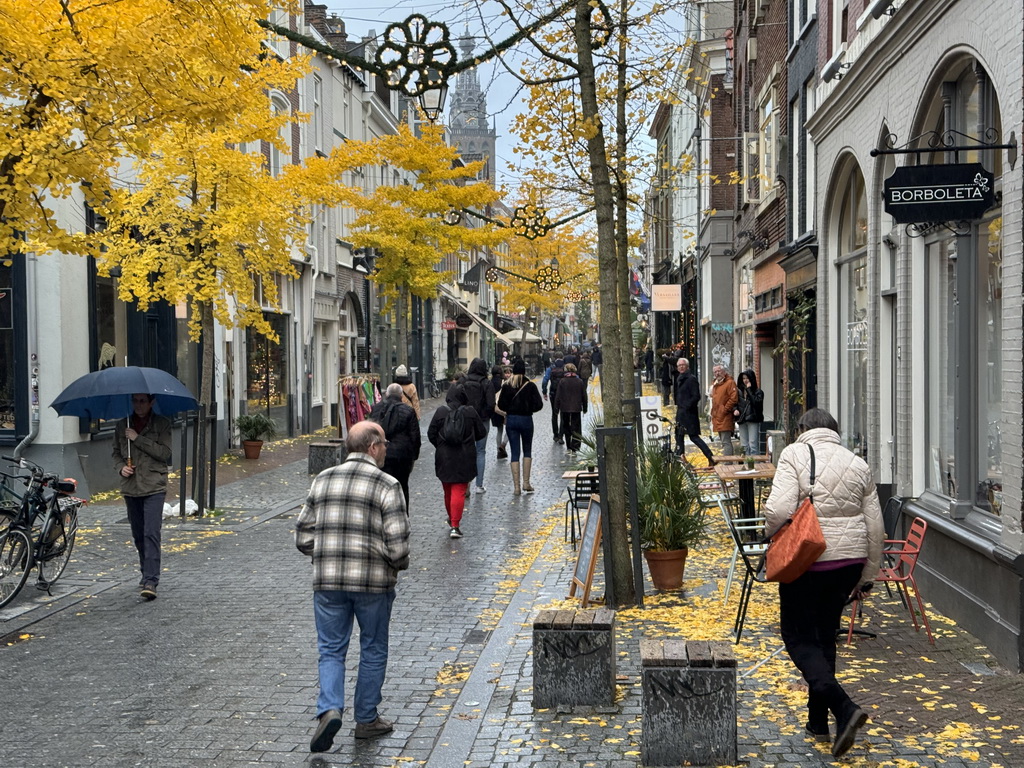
(689, 702)
(324, 456)
(574, 658)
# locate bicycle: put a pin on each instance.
(10, 499)
(41, 533)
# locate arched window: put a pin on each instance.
(852, 267)
(963, 325)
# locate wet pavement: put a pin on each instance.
(221, 669)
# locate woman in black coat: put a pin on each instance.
(455, 465)
(499, 373)
(749, 412)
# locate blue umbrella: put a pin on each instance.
(107, 394)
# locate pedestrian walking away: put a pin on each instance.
(141, 453)
(355, 527)
(668, 376)
(687, 397)
(571, 402)
(520, 399)
(409, 393)
(499, 375)
(455, 454)
(749, 412)
(723, 402)
(402, 431)
(549, 385)
(480, 395)
(811, 606)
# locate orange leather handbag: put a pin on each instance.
(798, 543)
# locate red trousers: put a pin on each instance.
(455, 501)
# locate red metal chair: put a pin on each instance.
(899, 558)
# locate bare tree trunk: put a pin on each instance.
(619, 570)
(622, 225)
(402, 319)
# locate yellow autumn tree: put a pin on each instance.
(570, 251)
(405, 224)
(86, 84)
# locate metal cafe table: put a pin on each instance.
(737, 472)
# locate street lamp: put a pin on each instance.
(432, 100)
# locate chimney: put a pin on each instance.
(335, 32)
(316, 17)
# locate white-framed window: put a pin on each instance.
(837, 29)
(768, 135)
(280, 155)
(751, 167)
(317, 118)
(801, 11)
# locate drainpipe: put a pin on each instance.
(32, 310)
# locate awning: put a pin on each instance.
(521, 335)
(472, 315)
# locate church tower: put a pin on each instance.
(468, 125)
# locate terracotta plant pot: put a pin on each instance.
(251, 448)
(666, 568)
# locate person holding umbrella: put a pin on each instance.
(142, 451)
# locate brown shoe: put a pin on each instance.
(149, 591)
(378, 727)
(323, 736)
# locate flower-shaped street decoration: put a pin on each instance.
(530, 221)
(574, 296)
(415, 54)
(492, 275)
(548, 278)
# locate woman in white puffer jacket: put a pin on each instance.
(810, 608)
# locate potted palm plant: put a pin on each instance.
(253, 429)
(671, 517)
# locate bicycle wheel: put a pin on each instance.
(15, 563)
(59, 531)
(7, 516)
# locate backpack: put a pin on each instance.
(453, 430)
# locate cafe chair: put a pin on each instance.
(899, 559)
(583, 487)
(743, 531)
(751, 534)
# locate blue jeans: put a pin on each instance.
(146, 517)
(334, 611)
(520, 429)
(481, 460)
(750, 436)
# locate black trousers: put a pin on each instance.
(556, 429)
(146, 517)
(810, 609)
(695, 438)
(572, 429)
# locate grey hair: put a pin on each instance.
(683, 360)
(394, 392)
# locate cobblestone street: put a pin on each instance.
(221, 669)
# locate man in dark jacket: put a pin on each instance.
(402, 430)
(571, 402)
(687, 393)
(668, 376)
(480, 395)
(141, 453)
(550, 383)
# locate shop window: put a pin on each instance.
(940, 367)
(990, 421)
(8, 355)
(854, 324)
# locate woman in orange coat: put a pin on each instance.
(724, 397)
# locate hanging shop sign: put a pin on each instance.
(463, 321)
(931, 193)
(471, 280)
(666, 298)
(448, 325)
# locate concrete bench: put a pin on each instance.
(689, 702)
(324, 455)
(574, 658)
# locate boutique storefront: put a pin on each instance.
(920, 343)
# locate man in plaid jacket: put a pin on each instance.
(355, 526)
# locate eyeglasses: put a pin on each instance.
(379, 442)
